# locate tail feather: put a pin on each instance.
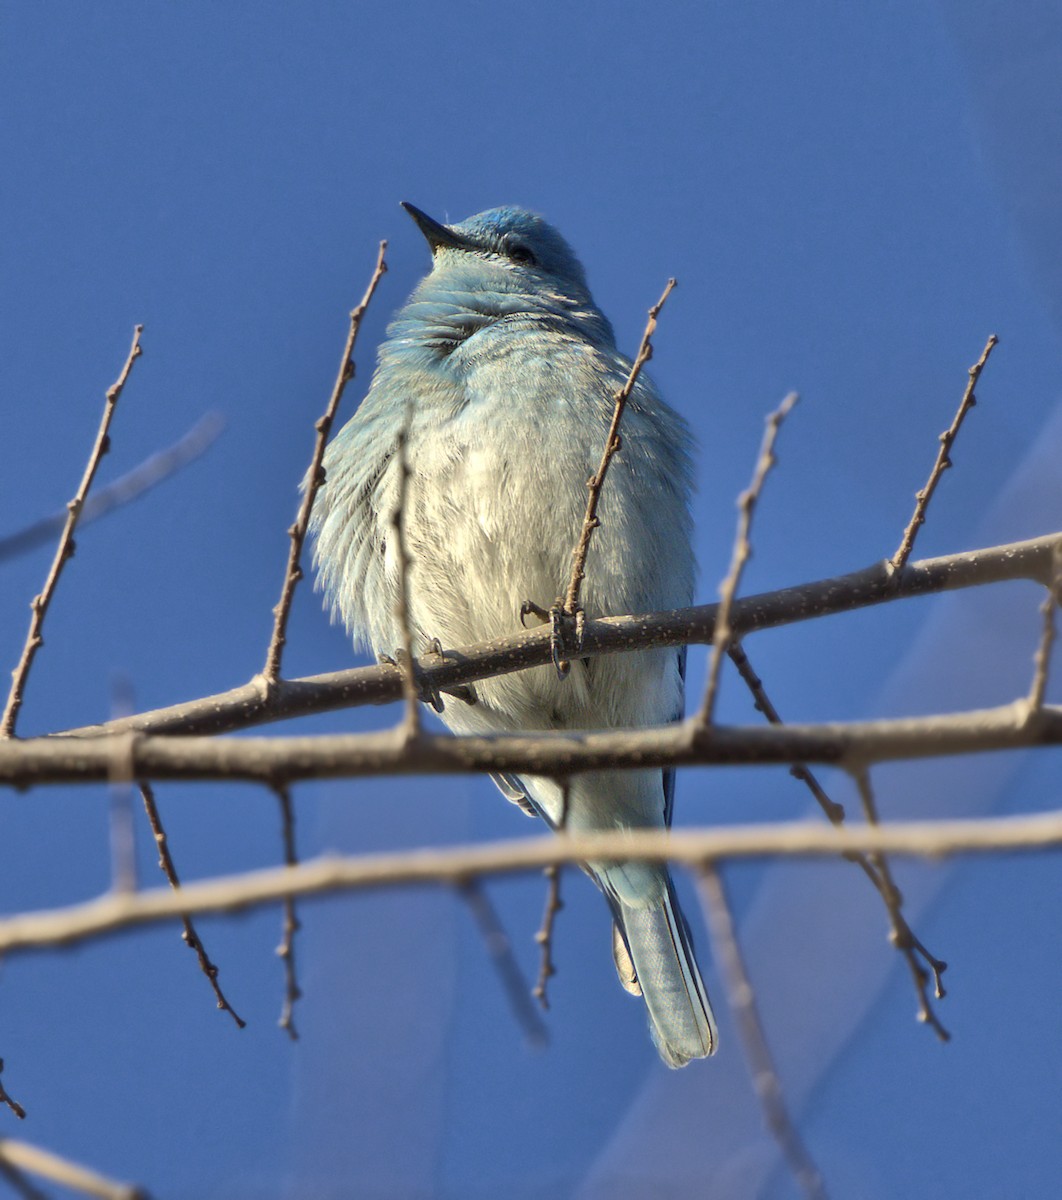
(659, 945)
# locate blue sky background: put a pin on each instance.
(852, 198)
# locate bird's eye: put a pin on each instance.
(521, 255)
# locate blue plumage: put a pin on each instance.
(505, 371)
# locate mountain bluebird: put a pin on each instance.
(503, 372)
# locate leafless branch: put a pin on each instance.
(12, 1104)
(291, 925)
(1042, 661)
(454, 866)
(249, 704)
(65, 549)
(124, 490)
(758, 1055)
(500, 950)
(613, 443)
(314, 479)
(901, 936)
(922, 498)
(742, 552)
(411, 724)
(48, 1165)
(52, 760)
(189, 935)
(544, 937)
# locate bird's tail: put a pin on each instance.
(657, 940)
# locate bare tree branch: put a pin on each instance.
(922, 498)
(11, 1103)
(758, 1055)
(114, 912)
(189, 935)
(291, 924)
(500, 950)
(124, 490)
(613, 442)
(1042, 661)
(742, 552)
(65, 549)
(52, 760)
(315, 477)
(48, 1165)
(249, 704)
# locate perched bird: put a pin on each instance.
(503, 372)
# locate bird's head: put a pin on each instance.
(515, 250)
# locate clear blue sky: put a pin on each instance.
(852, 198)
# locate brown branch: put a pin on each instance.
(189, 935)
(544, 936)
(880, 877)
(249, 704)
(922, 498)
(742, 552)
(48, 1165)
(65, 549)
(1042, 660)
(901, 936)
(455, 866)
(411, 724)
(500, 950)
(758, 1055)
(314, 479)
(51, 760)
(612, 446)
(291, 924)
(11, 1103)
(124, 490)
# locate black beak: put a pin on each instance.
(436, 234)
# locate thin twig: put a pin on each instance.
(314, 479)
(922, 498)
(11, 1103)
(48, 1165)
(904, 934)
(411, 724)
(65, 549)
(612, 445)
(544, 937)
(758, 1056)
(122, 827)
(124, 490)
(901, 936)
(742, 552)
(501, 952)
(291, 924)
(189, 935)
(1042, 660)
(250, 704)
(456, 865)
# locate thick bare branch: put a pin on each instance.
(453, 866)
(251, 704)
(50, 760)
(65, 549)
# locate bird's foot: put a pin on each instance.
(565, 631)
(427, 695)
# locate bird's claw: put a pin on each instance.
(530, 609)
(565, 637)
(425, 694)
